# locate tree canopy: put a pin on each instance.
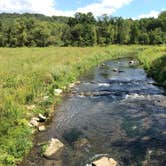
(17, 30)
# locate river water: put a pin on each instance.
(115, 111)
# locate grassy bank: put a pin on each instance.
(153, 60)
(27, 76)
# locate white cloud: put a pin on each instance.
(33, 6)
(152, 13)
(104, 6)
(48, 7)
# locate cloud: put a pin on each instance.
(48, 7)
(152, 13)
(32, 6)
(104, 6)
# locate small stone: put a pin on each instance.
(163, 133)
(150, 151)
(151, 82)
(41, 118)
(71, 85)
(34, 122)
(104, 161)
(41, 128)
(145, 138)
(115, 69)
(103, 64)
(134, 127)
(57, 92)
(53, 147)
(131, 62)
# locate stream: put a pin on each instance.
(115, 111)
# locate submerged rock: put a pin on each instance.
(145, 138)
(105, 161)
(82, 144)
(53, 147)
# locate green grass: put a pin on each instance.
(153, 60)
(29, 74)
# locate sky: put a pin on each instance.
(135, 9)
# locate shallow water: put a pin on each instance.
(120, 113)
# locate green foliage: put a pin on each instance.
(44, 147)
(154, 61)
(18, 30)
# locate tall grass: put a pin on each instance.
(29, 74)
(153, 60)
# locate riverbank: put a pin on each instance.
(114, 109)
(28, 80)
(154, 61)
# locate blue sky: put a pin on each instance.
(124, 8)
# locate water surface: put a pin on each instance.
(120, 114)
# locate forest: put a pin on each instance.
(82, 30)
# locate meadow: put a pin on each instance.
(29, 76)
(154, 62)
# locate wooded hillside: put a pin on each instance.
(17, 30)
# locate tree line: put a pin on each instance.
(17, 30)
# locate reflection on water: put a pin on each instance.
(120, 113)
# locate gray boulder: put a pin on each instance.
(54, 147)
(105, 161)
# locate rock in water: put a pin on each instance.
(105, 161)
(82, 145)
(115, 69)
(53, 147)
(41, 128)
(41, 118)
(131, 62)
(71, 85)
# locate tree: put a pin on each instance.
(156, 36)
(41, 34)
(134, 33)
(123, 35)
(17, 30)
